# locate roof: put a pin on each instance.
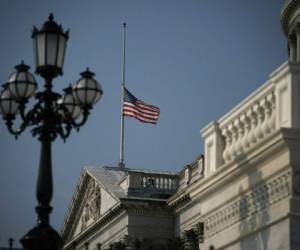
(109, 178)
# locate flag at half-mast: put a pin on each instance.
(138, 109)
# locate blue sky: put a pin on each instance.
(195, 59)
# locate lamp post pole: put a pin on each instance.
(52, 115)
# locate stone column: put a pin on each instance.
(298, 43)
(189, 240)
(292, 41)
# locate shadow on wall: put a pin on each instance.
(250, 218)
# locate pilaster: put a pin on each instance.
(213, 147)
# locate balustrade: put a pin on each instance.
(249, 127)
(158, 182)
(273, 106)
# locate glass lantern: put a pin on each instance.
(8, 104)
(21, 83)
(87, 90)
(49, 47)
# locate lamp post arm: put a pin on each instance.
(64, 132)
(29, 118)
(9, 124)
(85, 115)
(22, 109)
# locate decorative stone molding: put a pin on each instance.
(181, 202)
(103, 220)
(260, 197)
(147, 207)
(68, 228)
(91, 211)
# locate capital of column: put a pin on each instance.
(189, 240)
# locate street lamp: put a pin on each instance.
(52, 115)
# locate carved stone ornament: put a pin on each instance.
(251, 202)
(91, 211)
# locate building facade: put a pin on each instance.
(244, 193)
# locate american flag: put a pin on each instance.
(138, 109)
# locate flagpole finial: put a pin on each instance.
(124, 25)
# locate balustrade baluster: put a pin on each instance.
(260, 117)
(247, 125)
(253, 120)
(240, 132)
(272, 120)
(226, 134)
(234, 135)
(267, 114)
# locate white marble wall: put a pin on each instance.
(247, 199)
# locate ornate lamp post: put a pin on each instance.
(52, 115)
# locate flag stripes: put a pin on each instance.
(138, 109)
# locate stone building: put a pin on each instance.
(244, 195)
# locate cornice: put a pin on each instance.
(78, 199)
(105, 219)
(180, 202)
(74, 206)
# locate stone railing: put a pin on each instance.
(274, 105)
(250, 124)
(150, 183)
(158, 182)
(191, 172)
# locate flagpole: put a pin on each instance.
(121, 162)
